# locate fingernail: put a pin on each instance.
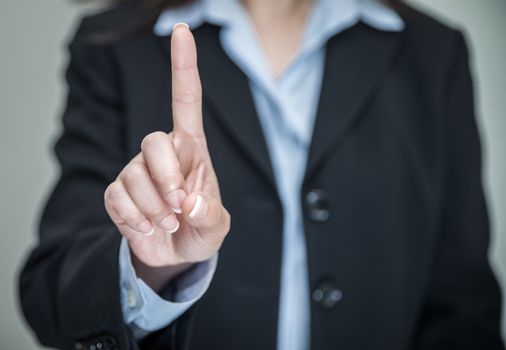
(170, 224)
(150, 232)
(199, 208)
(174, 229)
(180, 24)
(175, 200)
(146, 227)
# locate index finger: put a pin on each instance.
(186, 87)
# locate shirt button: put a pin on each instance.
(326, 295)
(131, 299)
(318, 205)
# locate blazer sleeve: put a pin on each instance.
(69, 286)
(463, 302)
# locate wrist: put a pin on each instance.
(157, 277)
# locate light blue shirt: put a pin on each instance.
(286, 107)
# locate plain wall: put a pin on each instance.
(33, 37)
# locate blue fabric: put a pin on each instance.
(146, 311)
(286, 107)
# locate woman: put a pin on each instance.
(343, 137)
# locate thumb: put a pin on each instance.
(207, 215)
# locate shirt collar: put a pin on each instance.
(333, 15)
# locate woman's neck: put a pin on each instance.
(279, 24)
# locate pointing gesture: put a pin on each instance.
(166, 201)
(186, 87)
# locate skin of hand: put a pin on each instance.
(166, 201)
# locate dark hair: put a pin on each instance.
(140, 15)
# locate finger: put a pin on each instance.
(163, 165)
(123, 210)
(140, 187)
(186, 87)
(208, 215)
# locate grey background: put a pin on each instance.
(33, 35)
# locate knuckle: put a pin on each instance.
(216, 218)
(225, 221)
(113, 191)
(175, 178)
(132, 217)
(189, 97)
(158, 213)
(182, 65)
(167, 178)
(228, 221)
(152, 139)
(133, 172)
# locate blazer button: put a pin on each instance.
(318, 205)
(326, 295)
(104, 342)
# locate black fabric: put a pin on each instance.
(395, 160)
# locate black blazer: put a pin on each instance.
(399, 224)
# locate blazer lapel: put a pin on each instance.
(356, 61)
(226, 91)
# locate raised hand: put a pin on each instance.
(166, 202)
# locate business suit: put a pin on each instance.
(396, 223)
